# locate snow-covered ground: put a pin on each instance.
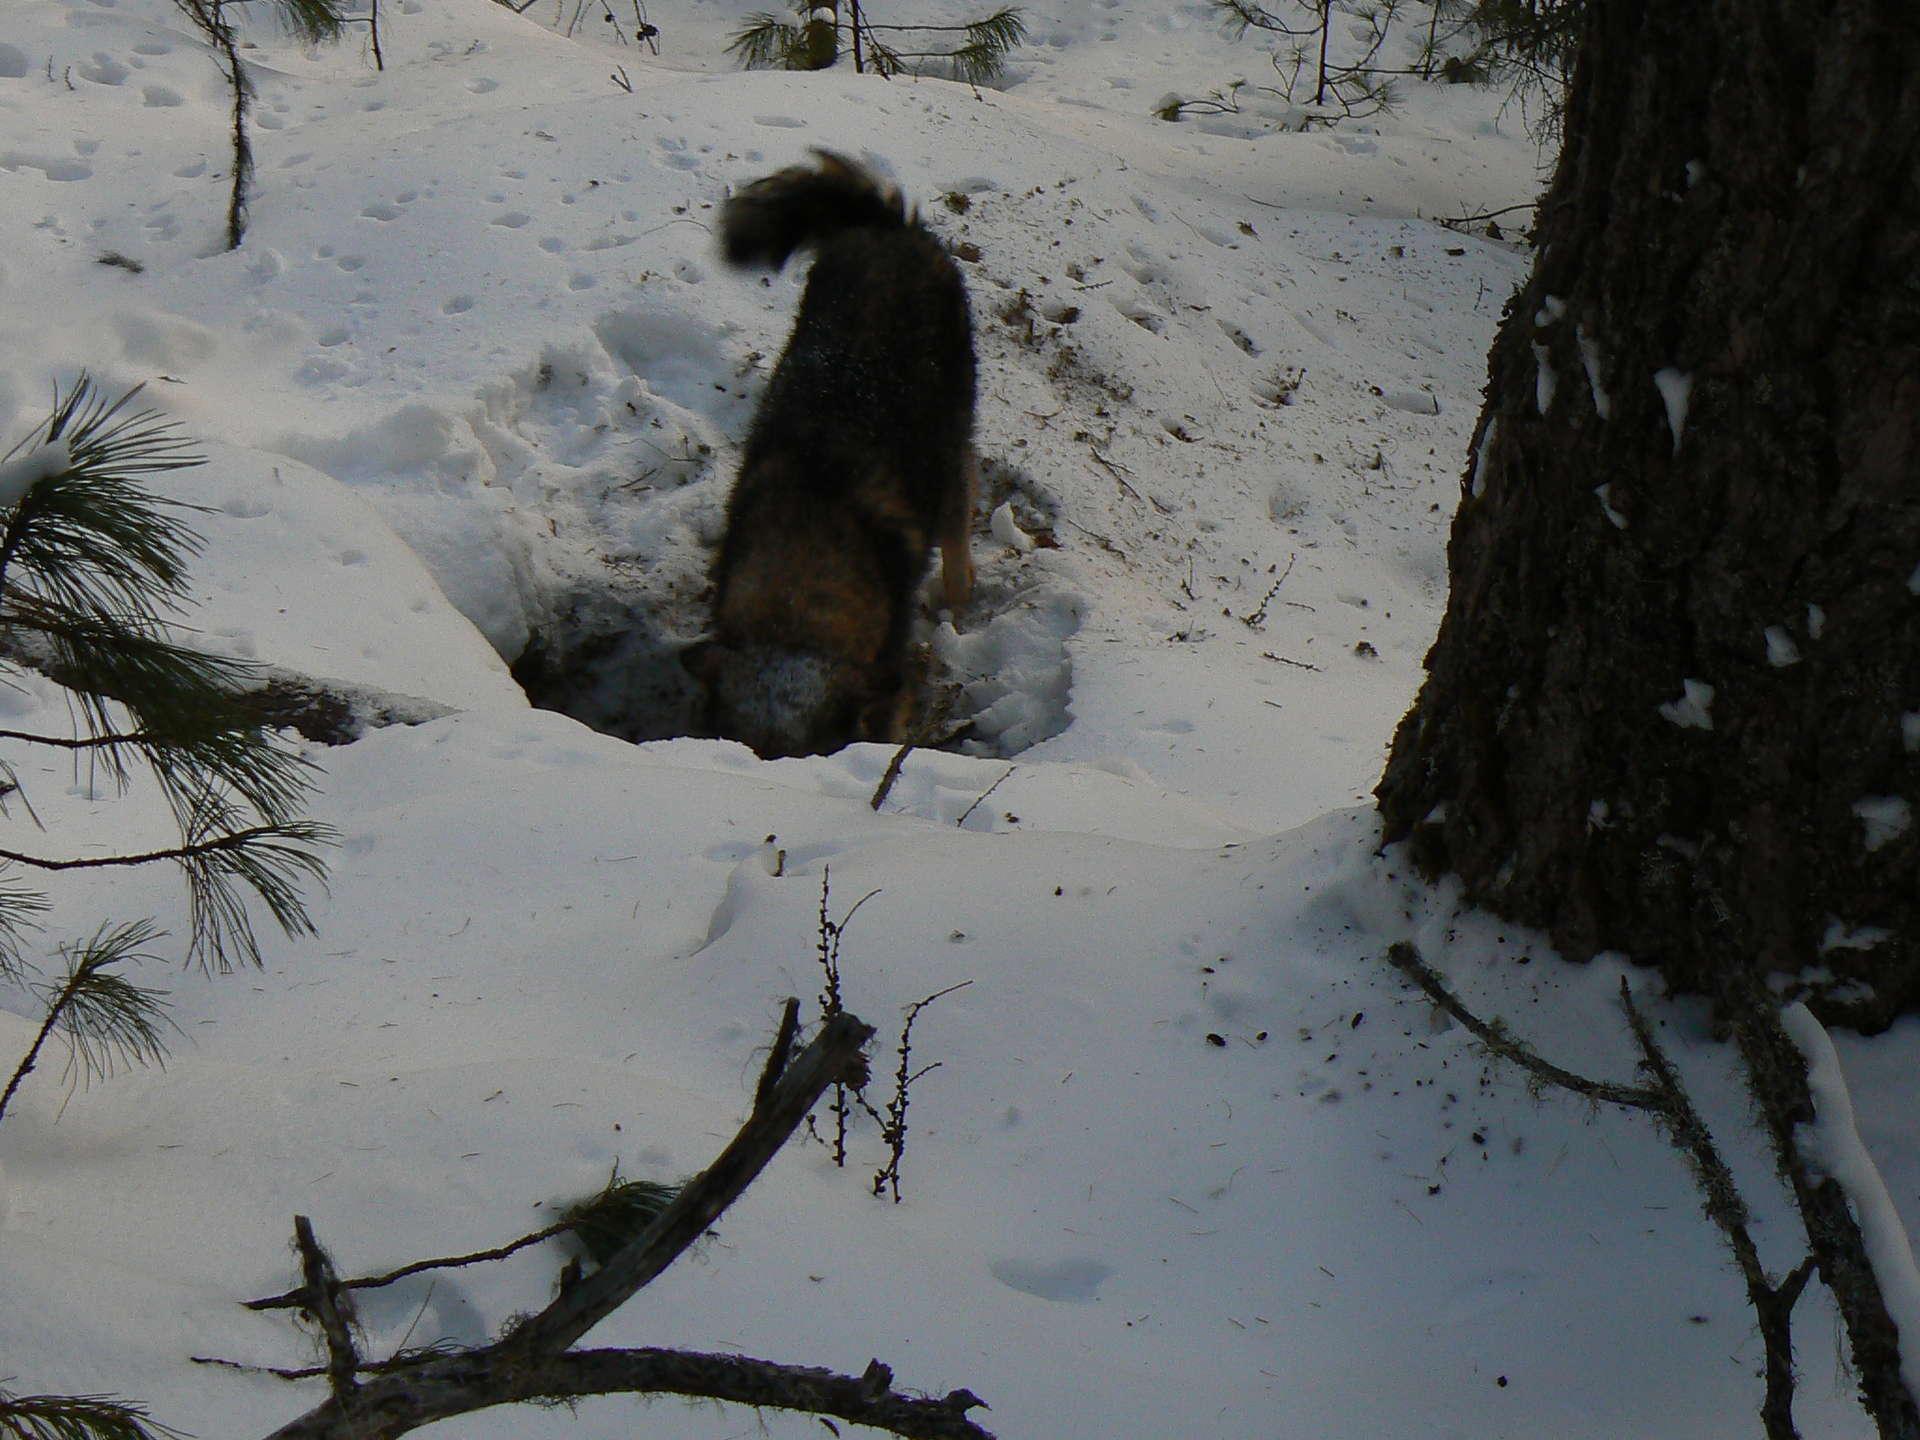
(1195, 1161)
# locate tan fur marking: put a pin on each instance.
(956, 536)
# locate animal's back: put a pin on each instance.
(880, 366)
(859, 458)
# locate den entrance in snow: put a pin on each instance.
(608, 651)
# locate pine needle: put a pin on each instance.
(312, 20)
(92, 565)
(767, 42)
(88, 535)
(605, 1222)
(78, 1417)
(20, 909)
(108, 1022)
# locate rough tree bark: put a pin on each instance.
(1674, 707)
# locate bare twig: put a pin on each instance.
(779, 1055)
(1116, 471)
(983, 795)
(1404, 958)
(926, 730)
(1283, 660)
(1258, 617)
(1452, 220)
(301, 1297)
(343, 1360)
(893, 1126)
(894, 766)
(534, 1361)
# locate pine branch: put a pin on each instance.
(999, 22)
(85, 532)
(105, 1019)
(1243, 15)
(765, 42)
(20, 908)
(887, 62)
(272, 861)
(196, 727)
(314, 21)
(223, 843)
(78, 1417)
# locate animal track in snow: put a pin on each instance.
(1075, 1280)
(1239, 337)
(103, 69)
(674, 153)
(53, 169)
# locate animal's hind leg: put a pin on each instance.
(956, 540)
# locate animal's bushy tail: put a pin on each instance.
(768, 220)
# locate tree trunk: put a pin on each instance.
(1674, 707)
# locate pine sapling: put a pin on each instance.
(312, 20)
(811, 41)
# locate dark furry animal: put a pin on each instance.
(859, 460)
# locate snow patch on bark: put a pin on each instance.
(1544, 380)
(1693, 710)
(1842, 936)
(1591, 361)
(1781, 651)
(1886, 818)
(1480, 455)
(1676, 389)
